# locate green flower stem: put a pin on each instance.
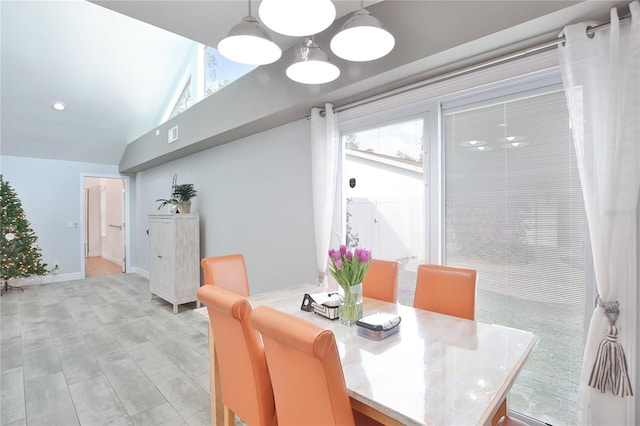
(351, 308)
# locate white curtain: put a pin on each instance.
(325, 148)
(601, 75)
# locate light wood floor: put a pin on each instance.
(97, 266)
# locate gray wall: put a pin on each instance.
(426, 44)
(254, 197)
(51, 193)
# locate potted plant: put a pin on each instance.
(180, 201)
(184, 193)
(171, 202)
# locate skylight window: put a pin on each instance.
(206, 72)
(220, 72)
(184, 101)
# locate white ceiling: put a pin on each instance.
(116, 73)
(113, 72)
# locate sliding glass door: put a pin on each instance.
(480, 172)
(513, 210)
(383, 189)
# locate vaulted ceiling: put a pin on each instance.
(115, 74)
(112, 72)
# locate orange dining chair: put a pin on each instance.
(306, 372)
(228, 272)
(381, 280)
(445, 289)
(244, 376)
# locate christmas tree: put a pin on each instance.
(19, 252)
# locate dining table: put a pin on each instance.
(436, 370)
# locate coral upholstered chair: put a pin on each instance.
(244, 376)
(445, 289)
(228, 272)
(306, 372)
(381, 280)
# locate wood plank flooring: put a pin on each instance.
(97, 266)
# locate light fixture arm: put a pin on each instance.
(306, 43)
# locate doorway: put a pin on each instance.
(104, 244)
(384, 195)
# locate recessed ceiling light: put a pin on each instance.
(58, 106)
(481, 148)
(516, 144)
(512, 139)
(473, 143)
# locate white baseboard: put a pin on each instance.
(44, 279)
(106, 256)
(143, 273)
(113, 259)
(55, 278)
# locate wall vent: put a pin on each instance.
(173, 134)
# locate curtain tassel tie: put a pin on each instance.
(610, 366)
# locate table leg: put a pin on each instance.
(217, 407)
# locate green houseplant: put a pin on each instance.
(180, 198)
(184, 193)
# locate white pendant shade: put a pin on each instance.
(312, 65)
(297, 18)
(362, 38)
(249, 43)
(313, 72)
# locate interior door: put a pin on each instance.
(104, 242)
(123, 226)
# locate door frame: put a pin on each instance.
(126, 218)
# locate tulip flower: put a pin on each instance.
(349, 267)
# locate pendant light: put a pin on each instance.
(362, 38)
(311, 64)
(297, 18)
(249, 43)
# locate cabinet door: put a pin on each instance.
(162, 262)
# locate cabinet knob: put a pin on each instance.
(160, 256)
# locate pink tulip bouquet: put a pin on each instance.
(347, 267)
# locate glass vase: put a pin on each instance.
(350, 309)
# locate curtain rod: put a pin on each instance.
(591, 30)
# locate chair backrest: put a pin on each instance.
(228, 272)
(244, 376)
(445, 289)
(381, 280)
(306, 372)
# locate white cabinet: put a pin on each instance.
(175, 257)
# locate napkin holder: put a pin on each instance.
(323, 304)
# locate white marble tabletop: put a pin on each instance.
(437, 370)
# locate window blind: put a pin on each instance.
(513, 210)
